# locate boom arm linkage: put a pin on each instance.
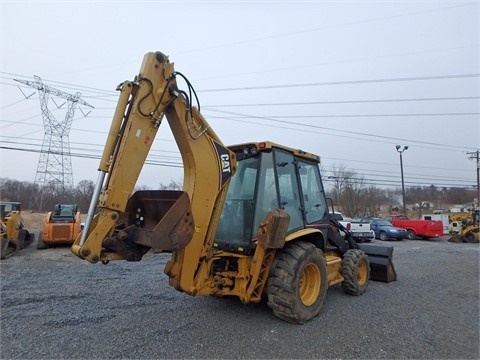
(126, 226)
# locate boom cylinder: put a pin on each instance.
(114, 133)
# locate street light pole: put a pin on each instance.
(401, 172)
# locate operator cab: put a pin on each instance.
(7, 207)
(269, 176)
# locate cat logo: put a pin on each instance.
(224, 161)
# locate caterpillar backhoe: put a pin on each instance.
(252, 220)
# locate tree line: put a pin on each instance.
(43, 199)
(349, 194)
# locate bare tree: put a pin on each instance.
(353, 198)
(83, 194)
(141, 187)
(374, 198)
(349, 192)
(391, 198)
(173, 185)
(340, 176)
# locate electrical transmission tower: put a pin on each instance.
(54, 169)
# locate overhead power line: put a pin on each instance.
(373, 137)
(261, 87)
(380, 179)
(359, 115)
(343, 102)
(346, 82)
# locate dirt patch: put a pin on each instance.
(33, 221)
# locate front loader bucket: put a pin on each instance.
(156, 219)
(457, 238)
(381, 265)
(10, 246)
(470, 237)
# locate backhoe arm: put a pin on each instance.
(120, 225)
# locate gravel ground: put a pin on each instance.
(56, 306)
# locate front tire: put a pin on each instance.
(471, 237)
(383, 236)
(356, 272)
(297, 284)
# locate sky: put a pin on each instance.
(346, 80)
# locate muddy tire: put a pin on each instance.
(411, 235)
(383, 236)
(356, 272)
(471, 237)
(297, 284)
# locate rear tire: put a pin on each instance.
(356, 272)
(383, 236)
(297, 284)
(411, 235)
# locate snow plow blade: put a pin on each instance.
(381, 264)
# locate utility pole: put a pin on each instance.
(55, 165)
(400, 151)
(476, 155)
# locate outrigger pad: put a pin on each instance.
(381, 265)
(273, 229)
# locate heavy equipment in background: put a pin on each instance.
(465, 227)
(252, 220)
(60, 226)
(14, 236)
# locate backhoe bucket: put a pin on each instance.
(381, 265)
(157, 219)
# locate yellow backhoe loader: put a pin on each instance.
(14, 236)
(252, 220)
(465, 227)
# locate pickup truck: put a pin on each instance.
(417, 228)
(361, 230)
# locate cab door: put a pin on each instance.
(288, 188)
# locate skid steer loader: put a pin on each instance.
(466, 229)
(61, 226)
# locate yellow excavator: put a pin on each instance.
(13, 235)
(252, 220)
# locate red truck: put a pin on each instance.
(421, 228)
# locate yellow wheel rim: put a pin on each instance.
(362, 273)
(310, 283)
